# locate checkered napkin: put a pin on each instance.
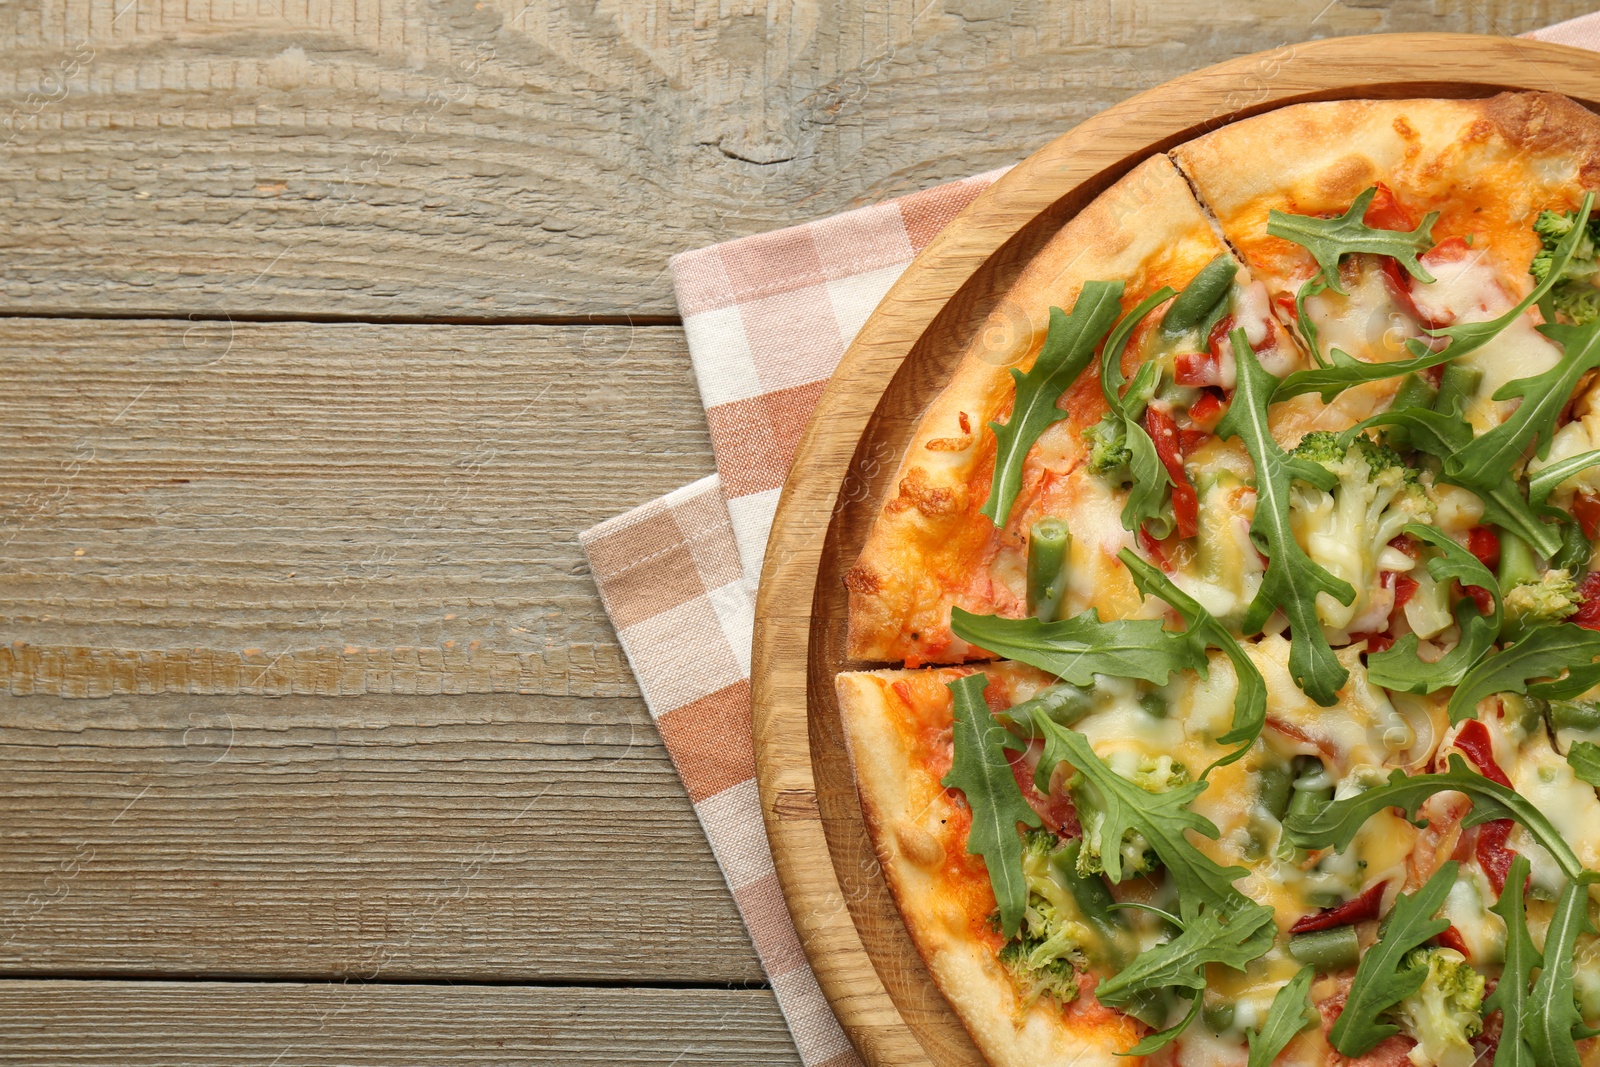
(768, 318)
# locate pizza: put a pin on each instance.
(1229, 634)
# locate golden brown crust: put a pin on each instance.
(1489, 166)
(918, 831)
(930, 548)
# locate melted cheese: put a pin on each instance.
(1571, 806)
(1470, 289)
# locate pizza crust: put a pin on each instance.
(907, 813)
(929, 540)
(1488, 165)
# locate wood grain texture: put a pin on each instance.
(120, 1024)
(491, 158)
(901, 359)
(493, 837)
(220, 508)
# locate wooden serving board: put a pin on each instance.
(846, 918)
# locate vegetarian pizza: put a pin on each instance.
(1236, 610)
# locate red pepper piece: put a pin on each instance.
(1404, 587)
(1207, 410)
(1588, 615)
(1450, 937)
(1493, 856)
(1407, 544)
(1197, 368)
(1153, 549)
(1586, 509)
(1219, 331)
(1358, 910)
(1398, 284)
(1375, 642)
(1474, 740)
(1385, 212)
(1485, 544)
(1164, 432)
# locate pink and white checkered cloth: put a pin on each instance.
(768, 318)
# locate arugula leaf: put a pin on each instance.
(1345, 370)
(1081, 647)
(1111, 380)
(1584, 759)
(1149, 477)
(1510, 997)
(1161, 1038)
(1308, 329)
(1250, 702)
(1231, 935)
(1492, 454)
(1381, 979)
(1544, 653)
(1292, 580)
(1069, 345)
(1161, 818)
(1541, 484)
(1399, 668)
(1330, 240)
(1151, 481)
(1552, 1015)
(1465, 337)
(1291, 1012)
(1336, 825)
(1442, 435)
(982, 772)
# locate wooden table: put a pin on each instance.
(328, 326)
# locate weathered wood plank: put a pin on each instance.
(372, 837)
(513, 158)
(222, 508)
(126, 1023)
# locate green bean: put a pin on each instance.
(1518, 564)
(1415, 392)
(1312, 791)
(1062, 703)
(1218, 1017)
(1199, 296)
(1325, 898)
(1457, 385)
(1574, 715)
(1094, 902)
(1274, 789)
(1049, 542)
(1090, 891)
(1332, 949)
(1154, 705)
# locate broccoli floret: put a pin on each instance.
(1320, 446)
(1550, 599)
(1047, 954)
(1574, 296)
(1057, 979)
(1109, 454)
(1347, 529)
(1445, 1013)
(1154, 774)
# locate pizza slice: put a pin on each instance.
(1375, 224)
(1037, 432)
(963, 778)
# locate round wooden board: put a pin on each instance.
(847, 921)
